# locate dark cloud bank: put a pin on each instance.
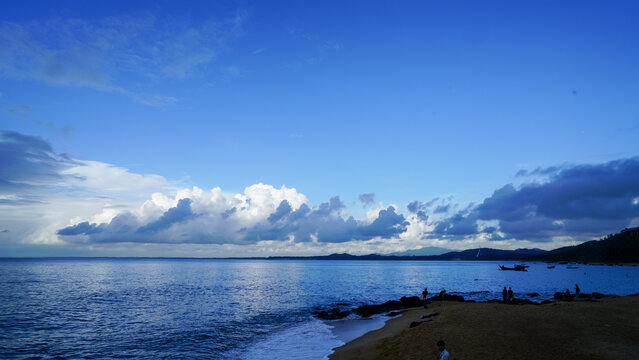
(582, 201)
(27, 161)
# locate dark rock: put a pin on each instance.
(532, 294)
(447, 297)
(415, 323)
(334, 314)
(563, 296)
(413, 301)
(516, 301)
(368, 310)
(394, 313)
(403, 303)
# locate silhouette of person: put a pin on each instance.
(425, 297)
(511, 294)
(504, 294)
(577, 291)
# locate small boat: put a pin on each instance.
(515, 268)
(551, 266)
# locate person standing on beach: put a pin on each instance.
(425, 297)
(511, 294)
(577, 291)
(441, 296)
(443, 353)
(504, 294)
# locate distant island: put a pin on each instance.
(471, 254)
(622, 247)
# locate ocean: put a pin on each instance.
(237, 309)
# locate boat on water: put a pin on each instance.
(551, 266)
(515, 268)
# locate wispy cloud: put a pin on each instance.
(313, 46)
(21, 111)
(114, 54)
(25, 113)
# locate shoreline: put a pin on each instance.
(580, 329)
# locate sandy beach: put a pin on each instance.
(601, 329)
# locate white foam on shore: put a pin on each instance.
(311, 340)
(350, 329)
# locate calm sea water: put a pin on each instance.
(228, 309)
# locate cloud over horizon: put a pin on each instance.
(52, 198)
(262, 212)
(582, 201)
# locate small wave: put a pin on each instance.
(310, 340)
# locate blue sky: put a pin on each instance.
(409, 102)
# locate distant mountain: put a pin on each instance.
(618, 248)
(424, 251)
(472, 254)
(490, 254)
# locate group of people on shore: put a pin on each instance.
(425, 296)
(508, 295)
(577, 292)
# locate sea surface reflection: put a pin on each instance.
(192, 308)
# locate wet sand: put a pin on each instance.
(602, 329)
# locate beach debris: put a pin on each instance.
(427, 316)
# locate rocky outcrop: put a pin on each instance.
(334, 314)
(560, 296)
(403, 303)
(449, 297)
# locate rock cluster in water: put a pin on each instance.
(334, 314)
